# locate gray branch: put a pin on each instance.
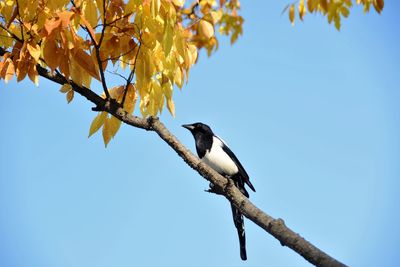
(275, 227)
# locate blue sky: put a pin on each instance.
(312, 114)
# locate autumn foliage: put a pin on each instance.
(148, 45)
(151, 44)
(334, 10)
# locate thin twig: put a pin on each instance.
(97, 48)
(12, 34)
(119, 56)
(117, 74)
(114, 21)
(130, 77)
(105, 23)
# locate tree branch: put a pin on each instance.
(275, 227)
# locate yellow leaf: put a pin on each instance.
(130, 100)
(311, 5)
(366, 6)
(90, 12)
(336, 18)
(97, 122)
(117, 91)
(106, 132)
(206, 29)
(192, 51)
(101, 8)
(216, 16)
(56, 4)
(70, 96)
(171, 106)
(178, 77)
(302, 9)
(179, 43)
(178, 3)
(114, 125)
(76, 72)
(291, 14)
(65, 88)
(34, 50)
(110, 128)
(86, 79)
(155, 7)
(167, 89)
(348, 3)
(168, 38)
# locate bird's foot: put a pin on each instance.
(214, 189)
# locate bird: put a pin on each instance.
(213, 151)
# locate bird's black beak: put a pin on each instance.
(190, 127)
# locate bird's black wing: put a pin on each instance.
(242, 171)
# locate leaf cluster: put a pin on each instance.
(334, 10)
(152, 44)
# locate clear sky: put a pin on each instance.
(313, 115)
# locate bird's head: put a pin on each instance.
(198, 127)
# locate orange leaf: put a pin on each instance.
(65, 18)
(50, 25)
(13, 16)
(89, 28)
(70, 96)
(324, 5)
(64, 64)
(106, 132)
(65, 88)
(33, 74)
(21, 71)
(50, 54)
(9, 72)
(378, 5)
(291, 14)
(86, 62)
(310, 6)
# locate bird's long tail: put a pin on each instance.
(239, 224)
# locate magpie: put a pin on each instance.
(213, 151)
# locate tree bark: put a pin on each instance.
(224, 186)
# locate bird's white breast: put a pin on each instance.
(217, 159)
